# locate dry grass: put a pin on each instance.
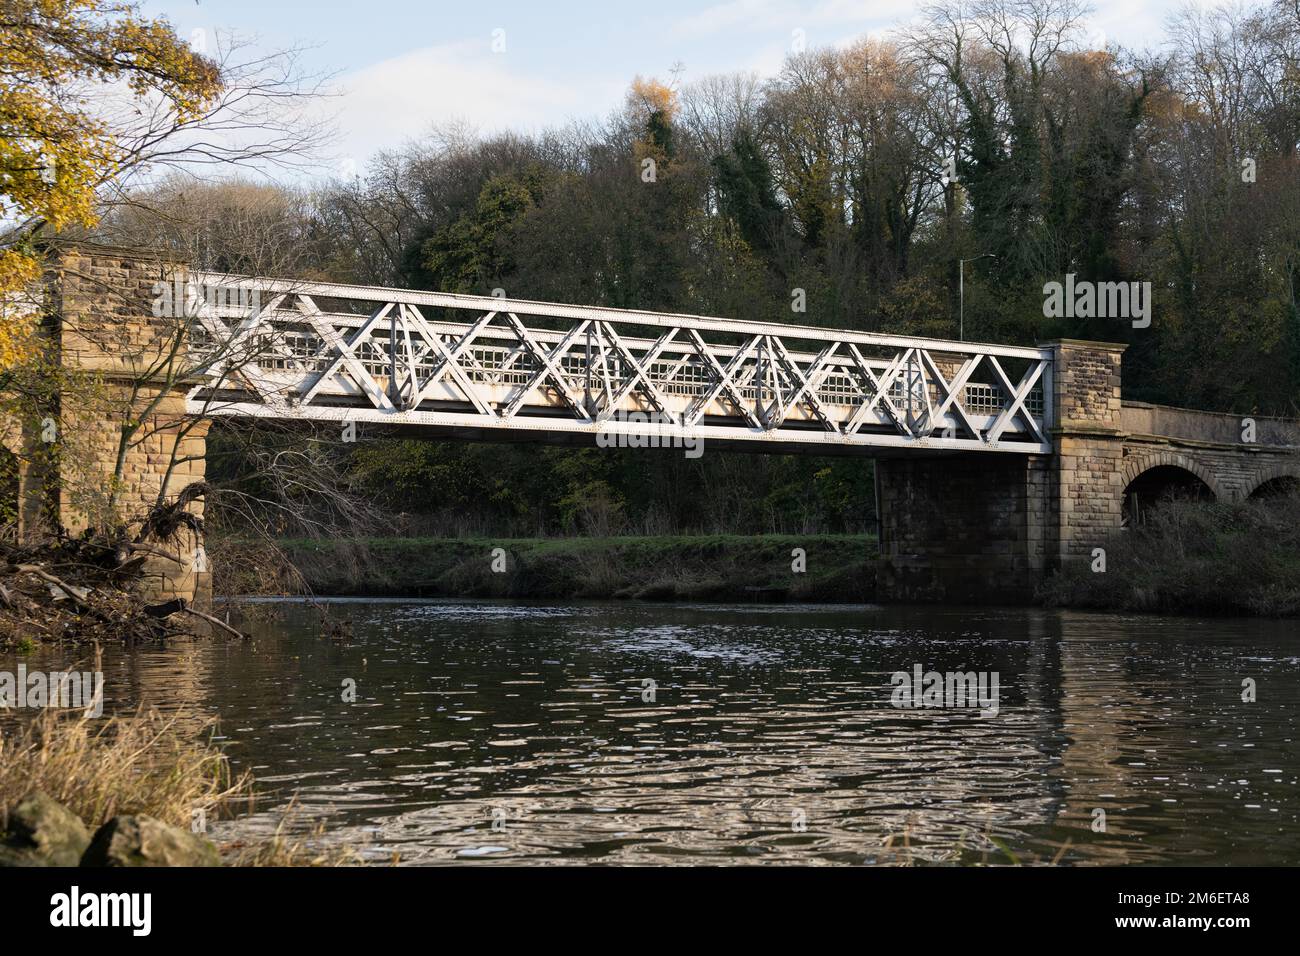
(1192, 557)
(101, 767)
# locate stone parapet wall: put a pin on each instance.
(1191, 427)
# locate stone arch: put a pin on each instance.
(1164, 470)
(1134, 467)
(1275, 473)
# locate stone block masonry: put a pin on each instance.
(966, 529)
(987, 527)
(1088, 487)
(124, 443)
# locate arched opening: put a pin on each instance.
(1158, 485)
(1283, 486)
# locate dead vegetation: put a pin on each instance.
(167, 768)
(99, 768)
(82, 589)
(73, 589)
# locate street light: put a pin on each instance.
(961, 291)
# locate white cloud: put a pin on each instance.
(1121, 23)
(398, 99)
(788, 15)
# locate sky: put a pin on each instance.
(399, 67)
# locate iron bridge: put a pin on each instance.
(498, 367)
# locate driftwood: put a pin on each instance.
(215, 620)
(80, 588)
(68, 589)
(164, 520)
(127, 549)
(74, 589)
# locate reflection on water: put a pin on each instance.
(493, 732)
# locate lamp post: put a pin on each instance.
(961, 291)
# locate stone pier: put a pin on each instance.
(988, 527)
(118, 441)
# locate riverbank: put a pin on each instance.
(81, 591)
(1193, 558)
(821, 568)
(126, 790)
(1186, 557)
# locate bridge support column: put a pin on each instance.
(37, 473)
(971, 528)
(1088, 486)
(123, 443)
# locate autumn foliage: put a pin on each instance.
(71, 72)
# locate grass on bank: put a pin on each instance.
(701, 568)
(1186, 557)
(102, 767)
(144, 763)
(1240, 558)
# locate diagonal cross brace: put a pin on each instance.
(243, 366)
(450, 361)
(346, 355)
(640, 375)
(882, 386)
(547, 367)
(1016, 404)
(949, 392)
(807, 384)
(723, 380)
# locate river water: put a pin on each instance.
(641, 733)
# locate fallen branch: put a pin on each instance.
(148, 550)
(63, 586)
(217, 621)
(93, 597)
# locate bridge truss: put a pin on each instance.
(488, 367)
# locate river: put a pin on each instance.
(471, 733)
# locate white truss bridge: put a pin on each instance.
(486, 367)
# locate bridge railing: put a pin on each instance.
(330, 352)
